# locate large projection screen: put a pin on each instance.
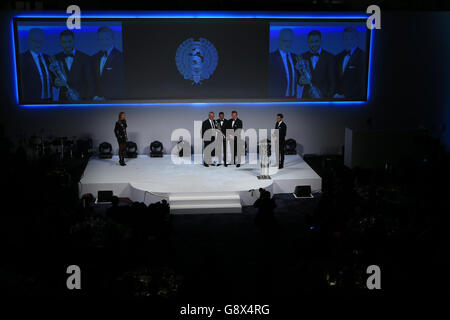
(145, 60)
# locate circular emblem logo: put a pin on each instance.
(196, 59)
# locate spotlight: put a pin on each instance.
(290, 147)
(131, 149)
(105, 150)
(156, 149)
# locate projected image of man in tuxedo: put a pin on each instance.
(323, 68)
(350, 68)
(283, 76)
(108, 68)
(77, 68)
(35, 76)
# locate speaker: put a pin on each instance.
(303, 192)
(104, 196)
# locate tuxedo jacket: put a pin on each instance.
(282, 129)
(222, 127)
(206, 125)
(237, 124)
(30, 79)
(351, 82)
(80, 77)
(110, 84)
(277, 75)
(323, 76)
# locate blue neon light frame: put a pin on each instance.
(195, 15)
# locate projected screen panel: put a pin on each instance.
(147, 60)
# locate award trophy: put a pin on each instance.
(264, 160)
(56, 67)
(219, 128)
(303, 67)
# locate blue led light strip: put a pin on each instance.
(194, 15)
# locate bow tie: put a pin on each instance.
(315, 54)
(104, 53)
(69, 55)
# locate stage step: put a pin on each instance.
(199, 203)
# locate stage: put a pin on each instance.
(193, 188)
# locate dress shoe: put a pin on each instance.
(205, 164)
(280, 166)
(225, 165)
(238, 165)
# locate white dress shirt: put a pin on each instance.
(36, 58)
(285, 56)
(347, 59)
(69, 60)
(103, 60)
(315, 59)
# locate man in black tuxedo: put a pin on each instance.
(323, 68)
(235, 124)
(351, 68)
(77, 68)
(207, 125)
(283, 77)
(35, 76)
(108, 68)
(221, 124)
(282, 129)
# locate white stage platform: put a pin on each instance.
(193, 188)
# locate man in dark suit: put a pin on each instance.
(282, 129)
(235, 138)
(108, 68)
(35, 76)
(323, 69)
(207, 125)
(77, 68)
(283, 76)
(221, 124)
(351, 68)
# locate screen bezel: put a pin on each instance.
(265, 19)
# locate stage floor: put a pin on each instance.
(147, 179)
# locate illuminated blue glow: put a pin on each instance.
(194, 104)
(194, 15)
(15, 70)
(369, 82)
(198, 15)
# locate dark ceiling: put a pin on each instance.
(232, 5)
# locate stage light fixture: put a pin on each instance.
(105, 150)
(290, 147)
(303, 192)
(131, 149)
(156, 149)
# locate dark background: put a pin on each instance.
(150, 49)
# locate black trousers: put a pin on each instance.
(281, 152)
(122, 150)
(207, 158)
(224, 150)
(238, 152)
